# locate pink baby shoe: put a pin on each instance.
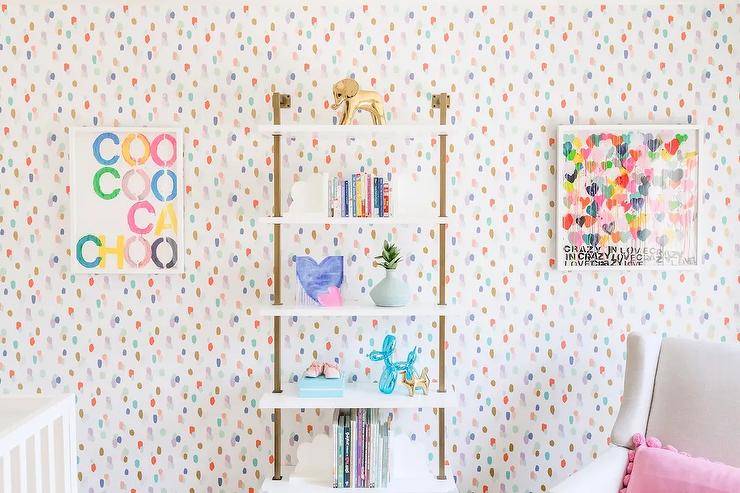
(331, 370)
(314, 370)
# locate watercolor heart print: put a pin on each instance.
(321, 282)
(628, 196)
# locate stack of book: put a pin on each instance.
(360, 195)
(361, 449)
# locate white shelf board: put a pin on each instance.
(358, 395)
(409, 485)
(408, 131)
(300, 219)
(358, 309)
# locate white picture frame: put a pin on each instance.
(671, 247)
(138, 200)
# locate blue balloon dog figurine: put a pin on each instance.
(390, 374)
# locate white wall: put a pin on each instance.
(168, 369)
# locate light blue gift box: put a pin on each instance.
(321, 386)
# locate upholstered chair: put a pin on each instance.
(684, 392)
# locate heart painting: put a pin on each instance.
(635, 197)
(321, 281)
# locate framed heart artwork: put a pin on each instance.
(628, 197)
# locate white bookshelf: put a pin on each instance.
(359, 395)
(316, 485)
(407, 131)
(358, 309)
(303, 219)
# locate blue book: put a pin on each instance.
(340, 450)
(380, 197)
(347, 449)
(375, 197)
(345, 199)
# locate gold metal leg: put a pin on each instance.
(441, 474)
(279, 101)
(442, 102)
(277, 473)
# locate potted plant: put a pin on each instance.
(392, 290)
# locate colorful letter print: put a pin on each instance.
(628, 197)
(127, 204)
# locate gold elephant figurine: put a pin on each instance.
(347, 92)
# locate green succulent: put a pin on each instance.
(390, 257)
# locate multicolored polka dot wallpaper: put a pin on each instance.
(168, 369)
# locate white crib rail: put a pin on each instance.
(38, 444)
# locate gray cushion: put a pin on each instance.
(696, 399)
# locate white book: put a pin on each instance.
(353, 449)
(375, 449)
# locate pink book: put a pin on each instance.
(386, 199)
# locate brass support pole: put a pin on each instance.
(277, 473)
(279, 101)
(442, 102)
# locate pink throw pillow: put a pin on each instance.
(653, 469)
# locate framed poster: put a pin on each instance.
(127, 200)
(628, 197)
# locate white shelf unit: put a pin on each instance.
(415, 485)
(358, 309)
(358, 395)
(305, 219)
(407, 131)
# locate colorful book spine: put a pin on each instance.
(371, 451)
(376, 448)
(335, 196)
(358, 449)
(339, 208)
(376, 212)
(359, 195)
(345, 198)
(328, 197)
(386, 453)
(366, 454)
(353, 194)
(386, 199)
(363, 436)
(361, 449)
(347, 448)
(380, 197)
